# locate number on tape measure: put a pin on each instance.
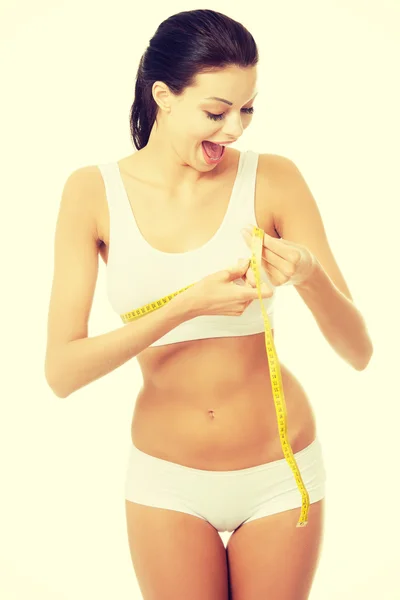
(273, 363)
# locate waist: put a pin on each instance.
(217, 426)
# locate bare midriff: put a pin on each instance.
(208, 404)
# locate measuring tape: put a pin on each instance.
(274, 368)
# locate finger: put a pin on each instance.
(276, 276)
(286, 267)
(251, 277)
(238, 270)
(266, 291)
(277, 246)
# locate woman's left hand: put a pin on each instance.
(284, 262)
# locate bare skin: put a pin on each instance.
(206, 403)
(230, 421)
(220, 416)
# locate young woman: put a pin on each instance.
(206, 455)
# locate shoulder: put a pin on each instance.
(297, 216)
(277, 175)
(84, 193)
(275, 166)
(276, 171)
(85, 181)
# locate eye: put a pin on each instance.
(248, 111)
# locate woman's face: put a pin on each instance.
(186, 121)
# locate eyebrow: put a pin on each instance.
(223, 99)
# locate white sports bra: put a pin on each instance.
(131, 259)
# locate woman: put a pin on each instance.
(206, 455)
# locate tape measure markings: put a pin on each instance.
(273, 363)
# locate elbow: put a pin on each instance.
(55, 387)
(363, 361)
(59, 393)
(54, 382)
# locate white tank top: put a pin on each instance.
(138, 274)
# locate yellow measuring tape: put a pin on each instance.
(274, 368)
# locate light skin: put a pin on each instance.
(268, 557)
(174, 148)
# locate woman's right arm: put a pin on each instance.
(72, 358)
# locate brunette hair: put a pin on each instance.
(185, 45)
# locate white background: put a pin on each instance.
(329, 99)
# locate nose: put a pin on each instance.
(233, 129)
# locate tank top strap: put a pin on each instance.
(240, 211)
(121, 217)
(244, 210)
(115, 190)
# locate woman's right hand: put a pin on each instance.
(218, 294)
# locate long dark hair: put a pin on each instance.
(185, 45)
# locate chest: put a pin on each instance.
(183, 225)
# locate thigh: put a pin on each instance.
(272, 558)
(175, 555)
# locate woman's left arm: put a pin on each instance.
(303, 258)
(338, 318)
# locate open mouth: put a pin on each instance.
(213, 152)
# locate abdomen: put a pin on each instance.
(230, 377)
